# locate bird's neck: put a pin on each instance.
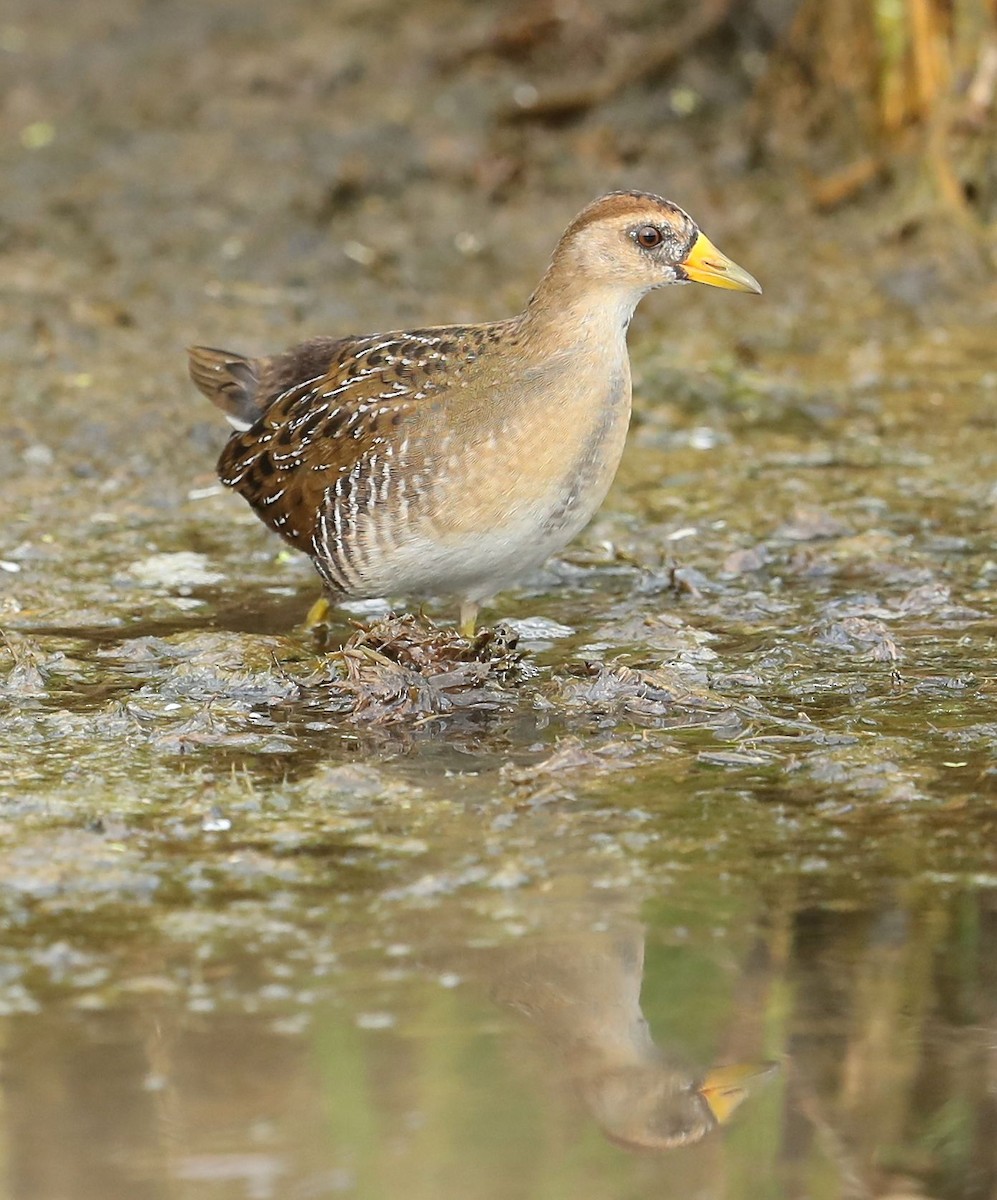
(579, 315)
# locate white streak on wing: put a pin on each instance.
(334, 564)
(335, 503)
(309, 414)
(354, 476)
(322, 542)
(371, 481)
(345, 386)
(232, 480)
(301, 386)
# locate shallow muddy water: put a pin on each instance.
(258, 946)
(691, 891)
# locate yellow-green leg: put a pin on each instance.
(468, 618)
(318, 614)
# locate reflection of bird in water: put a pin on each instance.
(582, 991)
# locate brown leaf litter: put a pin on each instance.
(404, 667)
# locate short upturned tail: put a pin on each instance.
(230, 381)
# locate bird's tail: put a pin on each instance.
(230, 381)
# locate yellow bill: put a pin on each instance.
(724, 1088)
(705, 264)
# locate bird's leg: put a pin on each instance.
(317, 623)
(318, 614)
(468, 618)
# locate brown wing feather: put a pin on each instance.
(230, 381)
(318, 429)
(243, 388)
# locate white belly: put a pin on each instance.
(474, 566)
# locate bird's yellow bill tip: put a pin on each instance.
(705, 264)
(723, 1088)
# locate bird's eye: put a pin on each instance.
(648, 236)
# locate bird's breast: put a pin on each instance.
(544, 465)
(592, 445)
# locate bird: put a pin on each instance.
(452, 460)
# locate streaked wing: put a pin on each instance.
(308, 449)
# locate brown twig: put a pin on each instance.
(828, 192)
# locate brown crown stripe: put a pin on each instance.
(618, 204)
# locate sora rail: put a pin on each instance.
(452, 460)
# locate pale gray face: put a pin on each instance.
(632, 241)
(664, 242)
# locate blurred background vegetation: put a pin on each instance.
(857, 94)
(866, 93)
